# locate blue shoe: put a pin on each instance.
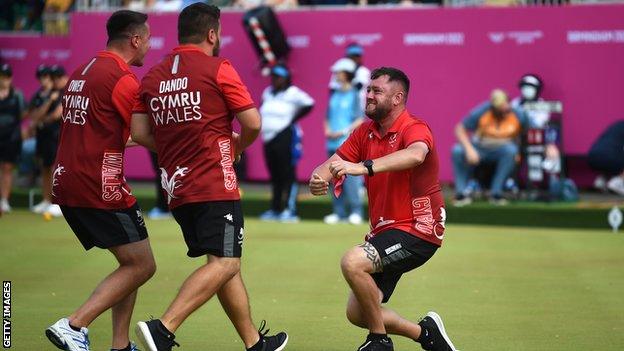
(288, 217)
(157, 213)
(269, 216)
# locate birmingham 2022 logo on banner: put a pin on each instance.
(434, 39)
(518, 37)
(364, 39)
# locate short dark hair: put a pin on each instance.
(195, 21)
(124, 23)
(394, 75)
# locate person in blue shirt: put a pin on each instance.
(496, 128)
(344, 114)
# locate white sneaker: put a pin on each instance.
(331, 219)
(616, 184)
(4, 206)
(41, 207)
(355, 219)
(65, 338)
(288, 217)
(55, 211)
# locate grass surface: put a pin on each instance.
(497, 288)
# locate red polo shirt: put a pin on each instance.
(97, 104)
(410, 200)
(191, 99)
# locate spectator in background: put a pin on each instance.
(27, 163)
(21, 14)
(47, 121)
(607, 157)
(496, 127)
(56, 20)
(283, 105)
(344, 114)
(11, 112)
(167, 6)
(361, 77)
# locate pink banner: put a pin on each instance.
(454, 57)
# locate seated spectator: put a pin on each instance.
(606, 156)
(11, 113)
(496, 128)
(283, 105)
(167, 6)
(21, 14)
(55, 16)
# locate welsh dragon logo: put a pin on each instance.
(171, 184)
(57, 172)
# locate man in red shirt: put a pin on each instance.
(185, 110)
(398, 157)
(88, 179)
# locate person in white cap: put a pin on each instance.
(361, 76)
(344, 114)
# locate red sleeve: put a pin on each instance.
(124, 96)
(417, 132)
(235, 92)
(138, 105)
(351, 149)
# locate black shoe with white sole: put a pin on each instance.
(275, 342)
(154, 336)
(433, 337)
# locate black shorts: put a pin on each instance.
(47, 142)
(105, 228)
(213, 227)
(400, 252)
(10, 151)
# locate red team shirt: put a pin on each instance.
(409, 200)
(97, 106)
(190, 99)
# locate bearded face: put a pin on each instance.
(379, 97)
(378, 108)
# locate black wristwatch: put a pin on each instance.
(369, 165)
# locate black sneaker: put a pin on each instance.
(433, 336)
(154, 336)
(275, 342)
(384, 344)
